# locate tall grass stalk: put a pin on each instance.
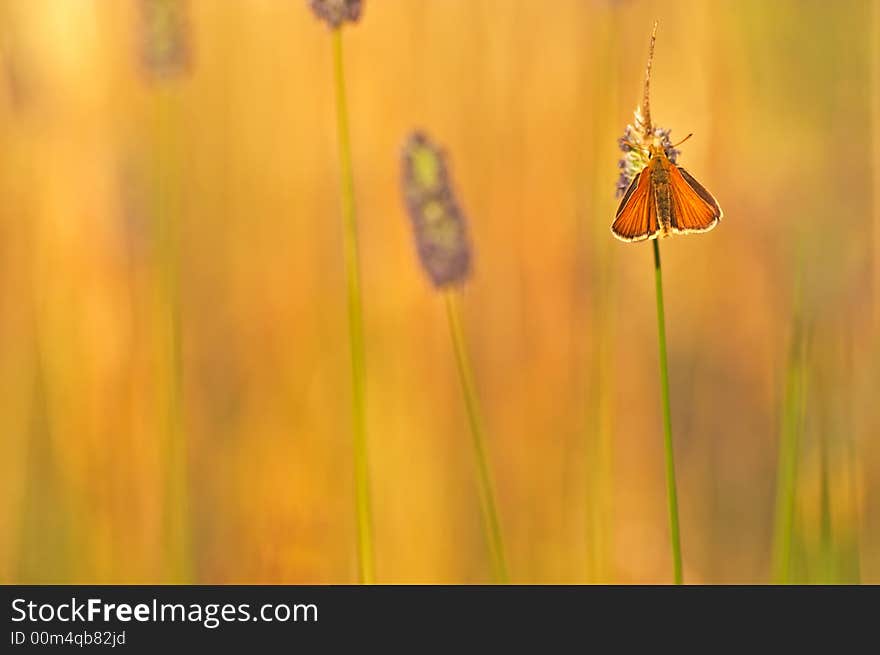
(671, 486)
(826, 545)
(167, 245)
(363, 508)
(491, 523)
(854, 479)
(789, 448)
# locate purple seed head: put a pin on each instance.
(337, 12)
(439, 226)
(165, 38)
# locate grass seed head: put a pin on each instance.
(438, 223)
(642, 133)
(165, 38)
(635, 159)
(337, 12)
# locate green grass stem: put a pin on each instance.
(363, 507)
(826, 545)
(671, 487)
(491, 523)
(167, 243)
(789, 448)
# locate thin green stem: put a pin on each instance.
(671, 488)
(825, 530)
(168, 316)
(789, 447)
(363, 508)
(853, 475)
(487, 497)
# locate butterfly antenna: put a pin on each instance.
(646, 101)
(675, 145)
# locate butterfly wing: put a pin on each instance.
(694, 208)
(636, 218)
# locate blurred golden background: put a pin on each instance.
(772, 318)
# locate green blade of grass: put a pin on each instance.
(363, 507)
(167, 231)
(789, 447)
(671, 486)
(491, 523)
(826, 545)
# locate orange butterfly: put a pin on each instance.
(664, 198)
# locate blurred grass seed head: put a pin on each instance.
(439, 226)
(337, 12)
(165, 38)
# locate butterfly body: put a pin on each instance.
(664, 199)
(660, 182)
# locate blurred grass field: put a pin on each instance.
(529, 98)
